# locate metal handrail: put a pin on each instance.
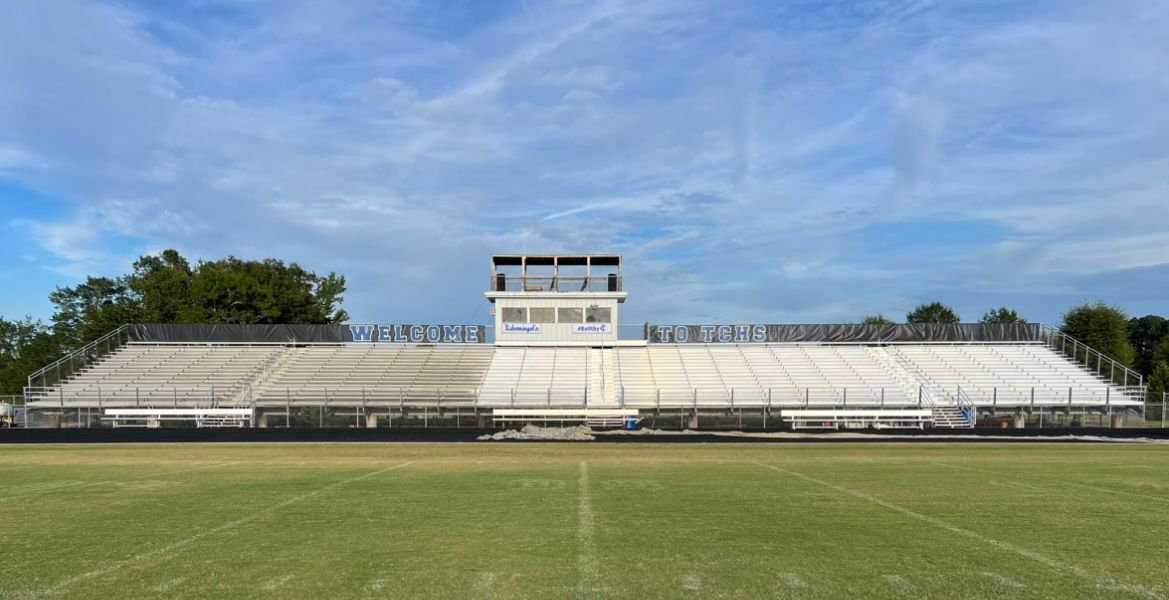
(548, 283)
(54, 367)
(1115, 367)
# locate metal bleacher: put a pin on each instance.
(379, 374)
(949, 379)
(1010, 375)
(164, 375)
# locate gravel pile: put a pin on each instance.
(580, 433)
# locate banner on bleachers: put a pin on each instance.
(308, 334)
(778, 334)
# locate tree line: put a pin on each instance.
(167, 288)
(1140, 343)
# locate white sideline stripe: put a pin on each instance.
(587, 558)
(169, 548)
(1054, 484)
(1104, 582)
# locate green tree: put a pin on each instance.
(89, 310)
(162, 286)
(1158, 382)
(1102, 327)
(1145, 334)
(167, 289)
(1002, 315)
(876, 320)
(1160, 353)
(25, 346)
(934, 312)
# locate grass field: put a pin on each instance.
(555, 521)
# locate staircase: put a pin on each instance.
(952, 417)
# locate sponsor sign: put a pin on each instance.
(522, 328)
(592, 328)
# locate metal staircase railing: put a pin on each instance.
(1104, 366)
(78, 359)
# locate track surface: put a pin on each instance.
(588, 521)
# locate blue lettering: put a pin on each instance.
(681, 334)
(385, 334)
(663, 334)
(472, 334)
(433, 334)
(416, 333)
(724, 333)
(362, 333)
(400, 334)
(742, 333)
(452, 334)
(707, 333)
(760, 333)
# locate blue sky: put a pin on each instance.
(803, 161)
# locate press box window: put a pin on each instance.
(515, 315)
(542, 315)
(598, 315)
(569, 315)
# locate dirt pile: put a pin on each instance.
(579, 433)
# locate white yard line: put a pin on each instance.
(587, 558)
(1055, 484)
(174, 546)
(1103, 582)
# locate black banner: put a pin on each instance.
(777, 334)
(307, 334)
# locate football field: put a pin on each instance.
(584, 521)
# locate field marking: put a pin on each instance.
(1104, 582)
(276, 583)
(378, 584)
(587, 557)
(898, 582)
(485, 584)
(169, 548)
(1003, 580)
(1055, 484)
(189, 469)
(169, 585)
(793, 580)
(692, 583)
(54, 485)
(1016, 485)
